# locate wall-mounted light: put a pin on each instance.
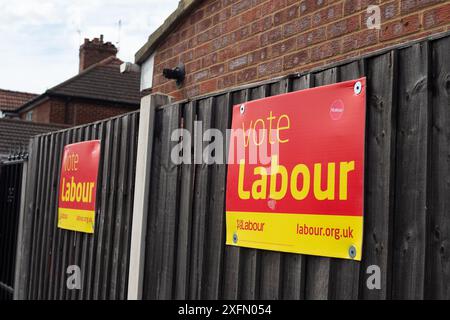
(178, 74)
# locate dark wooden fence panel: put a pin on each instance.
(411, 173)
(406, 214)
(379, 171)
(103, 257)
(437, 277)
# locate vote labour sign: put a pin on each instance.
(78, 186)
(296, 172)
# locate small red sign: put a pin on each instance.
(78, 186)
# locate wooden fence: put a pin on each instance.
(407, 188)
(47, 251)
(406, 216)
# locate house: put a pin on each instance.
(98, 91)
(11, 100)
(224, 44)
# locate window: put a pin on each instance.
(147, 73)
(29, 116)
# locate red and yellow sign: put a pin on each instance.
(78, 186)
(307, 195)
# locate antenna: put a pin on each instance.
(79, 36)
(119, 31)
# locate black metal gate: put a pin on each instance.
(10, 194)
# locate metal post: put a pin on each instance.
(149, 104)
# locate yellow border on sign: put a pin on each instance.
(291, 233)
(74, 220)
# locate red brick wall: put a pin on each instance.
(75, 112)
(40, 114)
(225, 43)
(86, 112)
(58, 111)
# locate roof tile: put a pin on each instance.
(11, 100)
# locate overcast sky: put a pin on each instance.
(39, 39)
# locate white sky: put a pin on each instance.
(39, 39)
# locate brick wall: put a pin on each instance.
(39, 114)
(58, 111)
(225, 43)
(75, 112)
(86, 112)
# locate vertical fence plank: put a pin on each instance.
(161, 234)
(344, 276)
(200, 200)
(231, 263)
(111, 209)
(101, 217)
(151, 275)
(168, 210)
(319, 268)
(56, 232)
(85, 237)
(294, 269)
(411, 177)
(379, 172)
(250, 258)
(89, 246)
(61, 262)
(37, 217)
(117, 238)
(438, 225)
(72, 238)
(53, 215)
(185, 214)
(215, 236)
(271, 278)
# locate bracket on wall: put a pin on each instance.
(178, 74)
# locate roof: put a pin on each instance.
(184, 8)
(11, 100)
(101, 81)
(15, 133)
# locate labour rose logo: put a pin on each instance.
(337, 109)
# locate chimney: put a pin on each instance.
(95, 50)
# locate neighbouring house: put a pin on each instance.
(11, 100)
(15, 134)
(99, 91)
(225, 43)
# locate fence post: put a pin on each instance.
(149, 104)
